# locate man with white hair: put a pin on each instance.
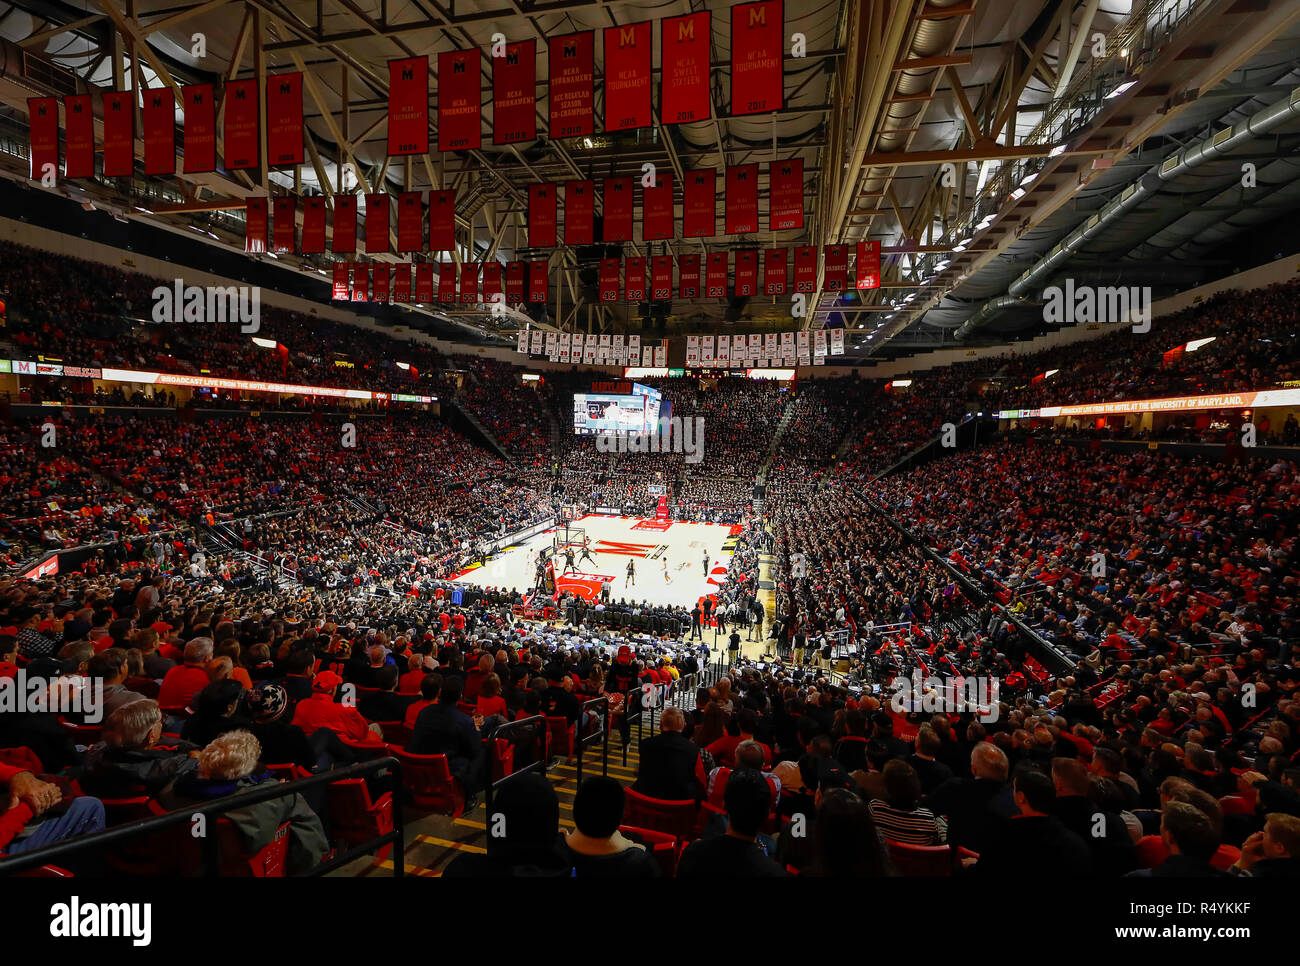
(975, 806)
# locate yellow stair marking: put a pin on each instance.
(448, 843)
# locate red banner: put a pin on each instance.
(284, 230)
(628, 74)
(514, 94)
(610, 283)
(688, 276)
(342, 277)
(313, 225)
(684, 81)
(360, 282)
(408, 106)
(119, 134)
(469, 283)
(491, 280)
(699, 204)
(569, 90)
(579, 212)
(255, 218)
(79, 136)
(459, 107)
(617, 202)
(43, 115)
(380, 281)
(774, 271)
(538, 279)
(377, 224)
(515, 282)
(345, 224)
(199, 134)
(661, 278)
(867, 267)
(402, 282)
(742, 199)
(747, 271)
(158, 119)
(442, 220)
(284, 119)
(805, 269)
(424, 282)
(715, 275)
(410, 221)
(835, 275)
(634, 281)
(543, 219)
(785, 195)
(447, 283)
(657, 210)
(241, 125)
(758, 57)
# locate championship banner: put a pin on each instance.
(661, 354)
(715, 276)
(755, 348)
(552, 345)
(342, 272)
(514, 94)
(868, 265)
(785, 195)
(570, 87)
(802, 343)
(283, 227)
(742, 199)
(610, 283)
(692, 351)
(774, 271)
(515, 282)
(119, 134)
(805, 269)
(628, 76)
(563, 347)
(633, 349)
(377, 223)
(491, 280)
(688, 276)
(459, 107)
(724, 350)
(579, 212)
(469, 283)
(770, 344)
(521, 342)
(402, 282)
(542, 216)
(747, 272)
(313, 225)
(43, 115)
(616, 203)
(837, 342)
(447, 283)
(442, 220)
(618, 351)
(539, 271)
(199, 134)
(408, 106)
(284, 119)
(380, 281)
(699, 204)
(79, 136)
(634, 281)
(657, 210)
(661, 278)
(242, 129)
(158, 119)
(757, 57)
(819, 345)
(684, 80)
(424, 282)
(835, 276)
(360, 282)
(255, 215)
(410, 221)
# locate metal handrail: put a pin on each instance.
(581, 741)
(539, 765)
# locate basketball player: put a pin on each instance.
(706, 563)
(667, 579)
(568, 558)
(630, 579)
(586, 552)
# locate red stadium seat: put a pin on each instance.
(921, 861)
(663, 847)
(428, 778)
(675, 817)
(355, 819)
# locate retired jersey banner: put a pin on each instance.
(360, 282)
(255, 217)
(569, 90)
(542, 216)
(408, 106)
(785, 195)
(747, 272)
(715, 276)
(684, 80)
(868, 265)
(119, 134)
(79, 136)
(661, 278)
(158, 119)
(491, 280)
(402, 282)
(515, 282)
(688, 276)
(342, 274)
(459, 106)
(579, 212)
(43, 115)
(469, 283)
(447, 283)
(345, 224)
(410, 221)
(442, 220)
(610, 283)
(634, 281)
(284, 119)
(242, 128)
(757, 57)
(424, 282)
(539, 271)
(699, 204)
(657, 210)
(805, 269)
(742, 199)
(628, 76)
(616, 204)
(377, 222)
(284, 228)
(313, 225)
(380, 282)
(835, 276)
(774, 271)
(199, 134)
(514, 94)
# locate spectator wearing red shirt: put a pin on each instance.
(321, 711)
(724, 749)
(188, 679)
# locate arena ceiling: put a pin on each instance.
(969, 137)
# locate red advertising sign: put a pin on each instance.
(835, 274)
(805, 269)
(284, 119)
(408, 106)
(377, 224)
(774, 271)
(628, 72)
(241, 125)
(684, 81)
(119, 134)
(284, 230)
(757, 57)
(158, 119)
(715, 276)
(410, 221)
(785, 195)
(868, 265)
(661, 278)
(200, 131)
(538, 279)
(742, 199)
(514, 94)
(634, 282)
(345, 224)
(255, 225)
(617, 202)
(79, 136)
(442, 220)
(657, 209)
(610, 283)
(543, 219)
(699, 204)
(459, 106)
(43, 114)
(570, 89)
(579, 213)
(688, 276)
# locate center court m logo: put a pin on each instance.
(627, 549)
(1104, 304)
(102, 920)
(209, 304)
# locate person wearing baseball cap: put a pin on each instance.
(320, 710)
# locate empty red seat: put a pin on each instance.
(663, 848)
(675, 817)
(355, 819)
(428, 778)
(921, 861)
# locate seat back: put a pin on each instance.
(921, 861)
(119, 811)
(663, 848)
(395, 732)
(675, 817)
(354, 818)
(428, 779)
(237, 862)
(561, 733)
